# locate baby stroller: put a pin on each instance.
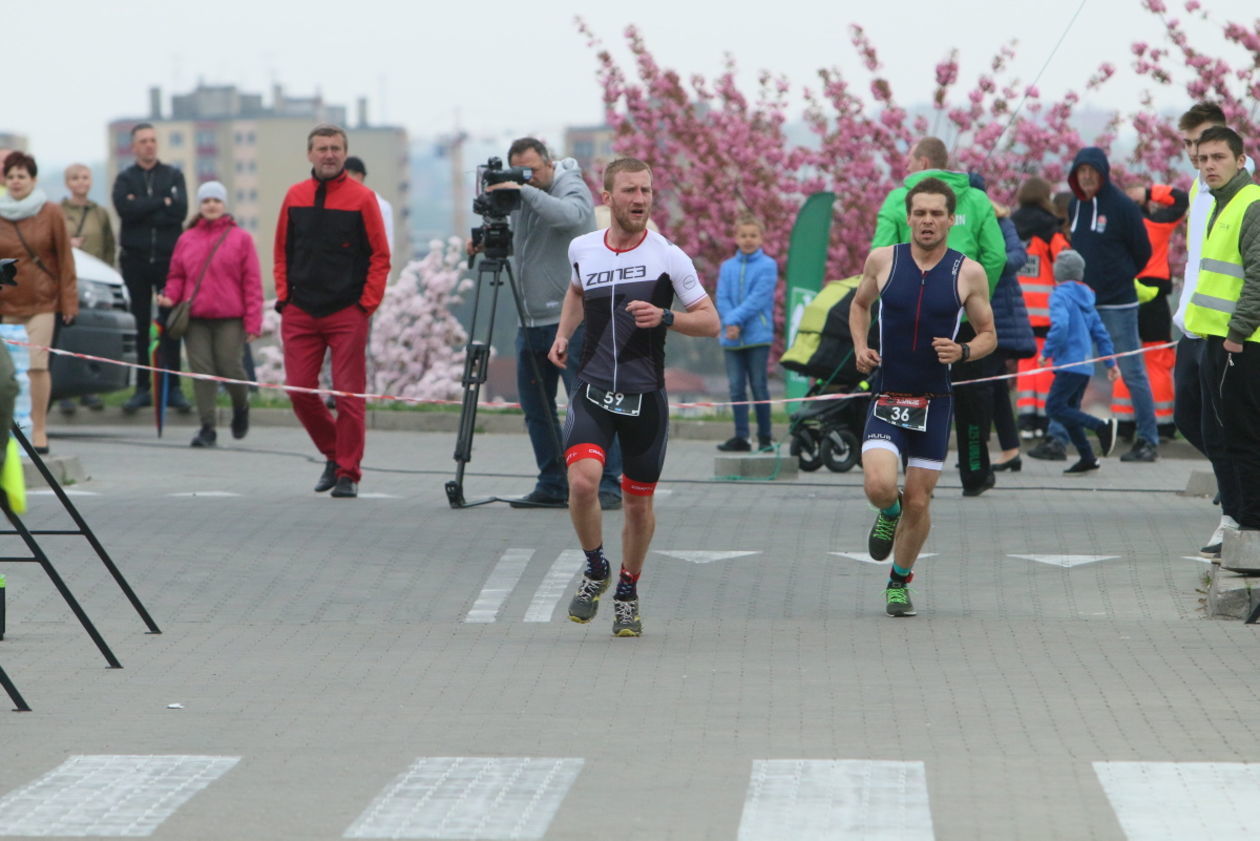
(826, 431)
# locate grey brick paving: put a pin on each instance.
(323, 641)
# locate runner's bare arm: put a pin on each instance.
(973, 289)
(864, 296)
(700, 319)
(570, 318)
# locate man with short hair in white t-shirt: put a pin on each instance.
(624, 282)
(1193, 412)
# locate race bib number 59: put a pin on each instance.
(906, 412)
(615, 401)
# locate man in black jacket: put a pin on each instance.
(152, 203)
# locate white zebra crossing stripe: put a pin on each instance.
(461, 797)
(108, 795)
(503, 579)
(829, 799)
(1174, 801)
(554, 585)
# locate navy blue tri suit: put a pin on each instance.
(915, 308)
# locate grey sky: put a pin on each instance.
(75, 64)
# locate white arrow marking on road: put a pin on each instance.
(1171, 801)
(205, 493)
(824, 799)
(466, 797)
(503, 579)
(704, 556)
(865, 558)
(554, 583)
(1065, 561)
(108, 795)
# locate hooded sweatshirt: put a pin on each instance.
(542, 230)
(1073, 324)
(1109, 233)
(975, 231)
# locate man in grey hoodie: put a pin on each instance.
(556, 206)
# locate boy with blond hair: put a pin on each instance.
(745, 303)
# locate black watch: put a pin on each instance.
(966, 352)
(667, 318)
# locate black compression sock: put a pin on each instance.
(627, 586)
(596, 564)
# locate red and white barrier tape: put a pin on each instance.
(437, 402)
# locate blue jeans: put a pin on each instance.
(1122, 326)
(541, 419)
(748, 365)
(1063, 406)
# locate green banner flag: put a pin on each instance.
(806, 271)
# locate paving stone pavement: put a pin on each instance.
(330, 647)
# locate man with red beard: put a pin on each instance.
(623, 285)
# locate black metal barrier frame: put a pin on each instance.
(40, 557)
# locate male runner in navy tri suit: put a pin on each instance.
(923, 287)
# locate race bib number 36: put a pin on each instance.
(906, 412)
(615, 401)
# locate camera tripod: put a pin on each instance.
(476, 368)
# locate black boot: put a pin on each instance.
(240, 422)
(207, 437)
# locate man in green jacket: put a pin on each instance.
(976, 234)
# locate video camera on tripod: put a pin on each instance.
(494, 236)
(8, 272)
(493, 239)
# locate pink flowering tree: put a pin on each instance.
(718, 152)
(416, 348)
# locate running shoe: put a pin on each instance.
(626, 622)
(1107, 437)
(586, 600)
(1082, 466)
(897, 600)
(879, 542)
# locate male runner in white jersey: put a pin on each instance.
(624, 281)
(923, 288)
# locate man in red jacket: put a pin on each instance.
(331, 264)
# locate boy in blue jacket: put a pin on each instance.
(1073, 323)
(745, 303)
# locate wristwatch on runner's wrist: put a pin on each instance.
(966, 352)
(667, 318)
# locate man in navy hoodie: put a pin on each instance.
(1107, 230)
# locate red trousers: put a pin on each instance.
(305, 340)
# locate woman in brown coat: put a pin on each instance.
(33, 230)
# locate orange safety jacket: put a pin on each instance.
(1160, 227)
(1036, 278)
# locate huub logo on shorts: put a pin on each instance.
(612, 275)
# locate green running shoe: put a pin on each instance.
(586, 600)
(897, 600)
(879, 542)
(626, 622)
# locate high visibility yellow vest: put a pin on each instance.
(1221, 270)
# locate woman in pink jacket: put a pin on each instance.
(226, 310)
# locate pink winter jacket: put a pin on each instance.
(232, 286)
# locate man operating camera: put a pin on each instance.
(556, 206)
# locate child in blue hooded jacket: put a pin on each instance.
(745, 303)
(1074, 328)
